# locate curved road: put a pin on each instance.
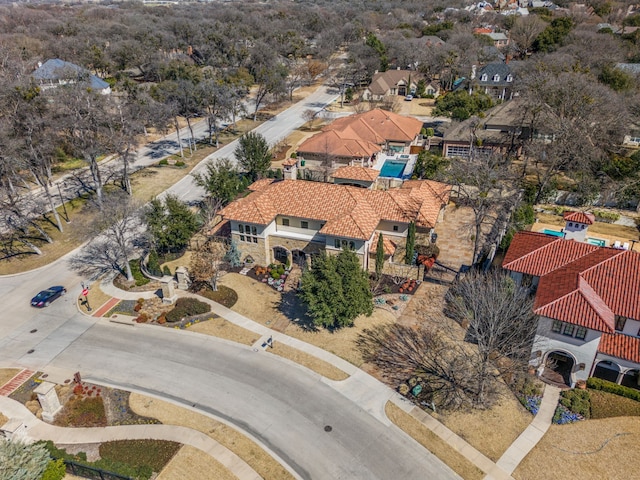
(285, 406)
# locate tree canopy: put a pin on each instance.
(170, 223)
(336, 290)
(253, 155)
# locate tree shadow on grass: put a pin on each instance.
(291, 306)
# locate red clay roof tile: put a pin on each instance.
(580, 217)
(621, 346)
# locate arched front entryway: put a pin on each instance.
(607, 370)
(299, 257)
(631, 379)
(559, 366)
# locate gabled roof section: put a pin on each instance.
(579, 217)
(57, 69)
(620, 346)
(546, 258)
(357, 173)
(388, 245)
(523, 243)
(383, 81)
(377, 126)
(338, 144)
(575, 308)
(360, 222)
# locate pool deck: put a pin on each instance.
(408, 169)
(609, 239)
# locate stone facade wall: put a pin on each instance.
(257, 251)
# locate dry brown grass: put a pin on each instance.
(219, 327)
(429, 440)
(608, 230)
(7, 374)
(190, 462)
(319, 366)
(183, 261)
(490, 431)
(265, 465)
(96, 298)
(260, 303)
(588, 450)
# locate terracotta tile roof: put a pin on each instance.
(338, 144)
(221, 229)
(524, 243)
(577, 280)
(621, 346)
(388, 245)
(580, 217)
(377, 126)
(289, 162)
(260, 184)
(383, 81)
(348, 211)
(356, 173)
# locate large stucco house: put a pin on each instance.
(358, 139)
(291, 220)
(587, 299)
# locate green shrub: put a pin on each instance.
(153, 264)
(139, 278)
(56, 470)
(164, 161)
(606, 216)
(166, 270)
(186, 307)
(606, 386)
(577, 400)
(180, 163)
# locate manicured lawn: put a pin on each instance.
(607, 405)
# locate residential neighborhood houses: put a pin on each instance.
(352, 219)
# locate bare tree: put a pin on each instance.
(115, 234)
(524, 32)
(207, 264)
(499, 318)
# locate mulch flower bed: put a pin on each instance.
(274, 275)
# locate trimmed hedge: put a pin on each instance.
(139, 278)
(606, 386)
(187, 307)
(578, 401)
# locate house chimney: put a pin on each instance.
(473, 72)
(189, 50)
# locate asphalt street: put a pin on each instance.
(285, 406)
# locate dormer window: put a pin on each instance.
(509, 78)
(496, 78)
(484, 77)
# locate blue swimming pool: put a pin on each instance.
(555, 233)
(392, 169)
(598, 242)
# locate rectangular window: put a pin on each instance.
(336, 243)
(395, 228)
(241, 228)
(620, 322)
(255, 239)
(254, 231)
(581, 333)
(557, 326)
(285, 222)
(568, 329)
(304, 224)
(242, 238)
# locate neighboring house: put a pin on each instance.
(291, 220)
(358, 139)
(392, 83)
(501, 130)
(55, 72)
(499, 39)
(495, 79)
(587, 301)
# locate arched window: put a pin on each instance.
(240, 228)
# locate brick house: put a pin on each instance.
(587, 299)
(292, 220)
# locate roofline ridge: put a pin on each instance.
(534, 251)
(615, 255)
(583, 282)
(556, 300)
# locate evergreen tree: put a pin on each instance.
(170, 223)
(411, 244)
(233, 255)
(336, 290)
(253, 155)
(21, 461)
(221, 180)
(379, 255)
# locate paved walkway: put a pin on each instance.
(372, 395)
(34, 429)
(533, 433)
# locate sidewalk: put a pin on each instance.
(35, 429)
